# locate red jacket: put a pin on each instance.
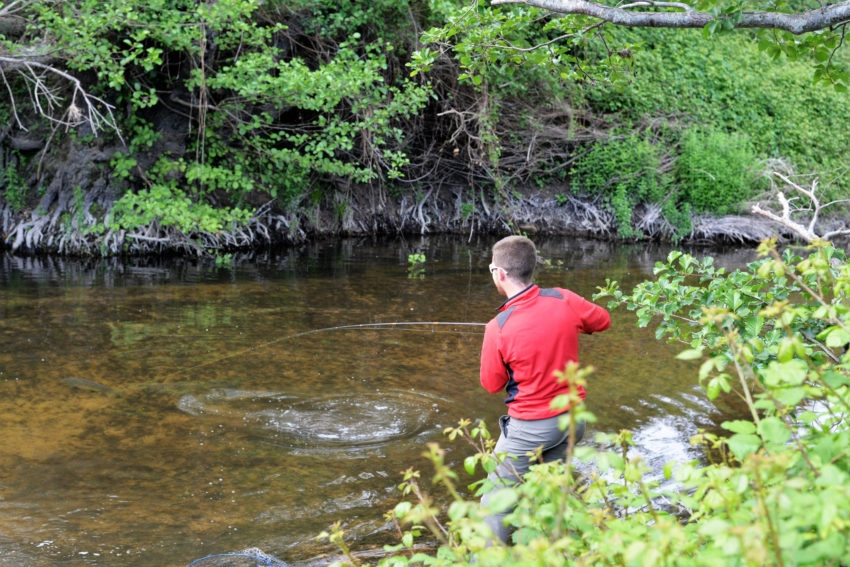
(535, 334)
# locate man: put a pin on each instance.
(535, 334)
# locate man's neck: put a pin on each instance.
(512, 289)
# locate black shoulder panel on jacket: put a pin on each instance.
(551, 292)
(502, 317)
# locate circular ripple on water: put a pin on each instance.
(336, 420)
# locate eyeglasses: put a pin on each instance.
(494, 267)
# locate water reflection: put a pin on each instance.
(160, 411)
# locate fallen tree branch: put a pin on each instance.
(805, 231)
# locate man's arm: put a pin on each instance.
(493, 374)
(593, 317)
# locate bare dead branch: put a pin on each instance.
(14, 7)
(686, 16)
(83, 108)
(788, 208)
(785, 218)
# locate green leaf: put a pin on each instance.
(739, 426)
(469, 464)
(714, 527)
(822, 54)
(785, 353)
(792, 373)
(836, 337)
(836, 379)
(743, 444)
(502, 500)
(790, 396)
(402, 509)
(690, 354)
(774, 430)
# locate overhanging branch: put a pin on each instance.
(81, 108)
(630, 15)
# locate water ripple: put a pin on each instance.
(335, 420)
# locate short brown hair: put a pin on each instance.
(517, 255)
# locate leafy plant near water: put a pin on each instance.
(264, 116)
(776, 336)
(168, 206)
(715, 170)
(14, 187)
(416, 265)
(623, 172)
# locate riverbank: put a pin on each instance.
(63, 225)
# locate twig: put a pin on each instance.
(47, 101)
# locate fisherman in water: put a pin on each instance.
(534, 335)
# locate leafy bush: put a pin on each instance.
(14, 188)
(274, 108)
(622, 172)
(727, 83)
(169, 206)
(713, 170)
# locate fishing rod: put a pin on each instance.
(85, 384)
(338, 328)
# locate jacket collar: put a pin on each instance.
(518, 297)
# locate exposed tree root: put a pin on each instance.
(73, 229)
(73, 226)
(734, 230)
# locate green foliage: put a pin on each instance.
(15, 189)
(623, 172)
(416, 265)
(223, 260)
(777, 334)
(264, 116)
(168, 206)
(114, 38)
(497, 46)
(509, 53)
(726, 84)
(822, 50)
(288, 99)
(292, 156)
(382, 20)
(713, 170)
(751, 111)
(467, 210)
(122, 165)
(780, 306)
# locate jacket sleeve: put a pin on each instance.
(594, 318)
(494, 375)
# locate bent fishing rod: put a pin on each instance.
(338, 328)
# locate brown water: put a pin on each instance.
(155, 412)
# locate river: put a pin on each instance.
(156, 411)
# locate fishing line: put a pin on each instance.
(337, 328)
(85, 384)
